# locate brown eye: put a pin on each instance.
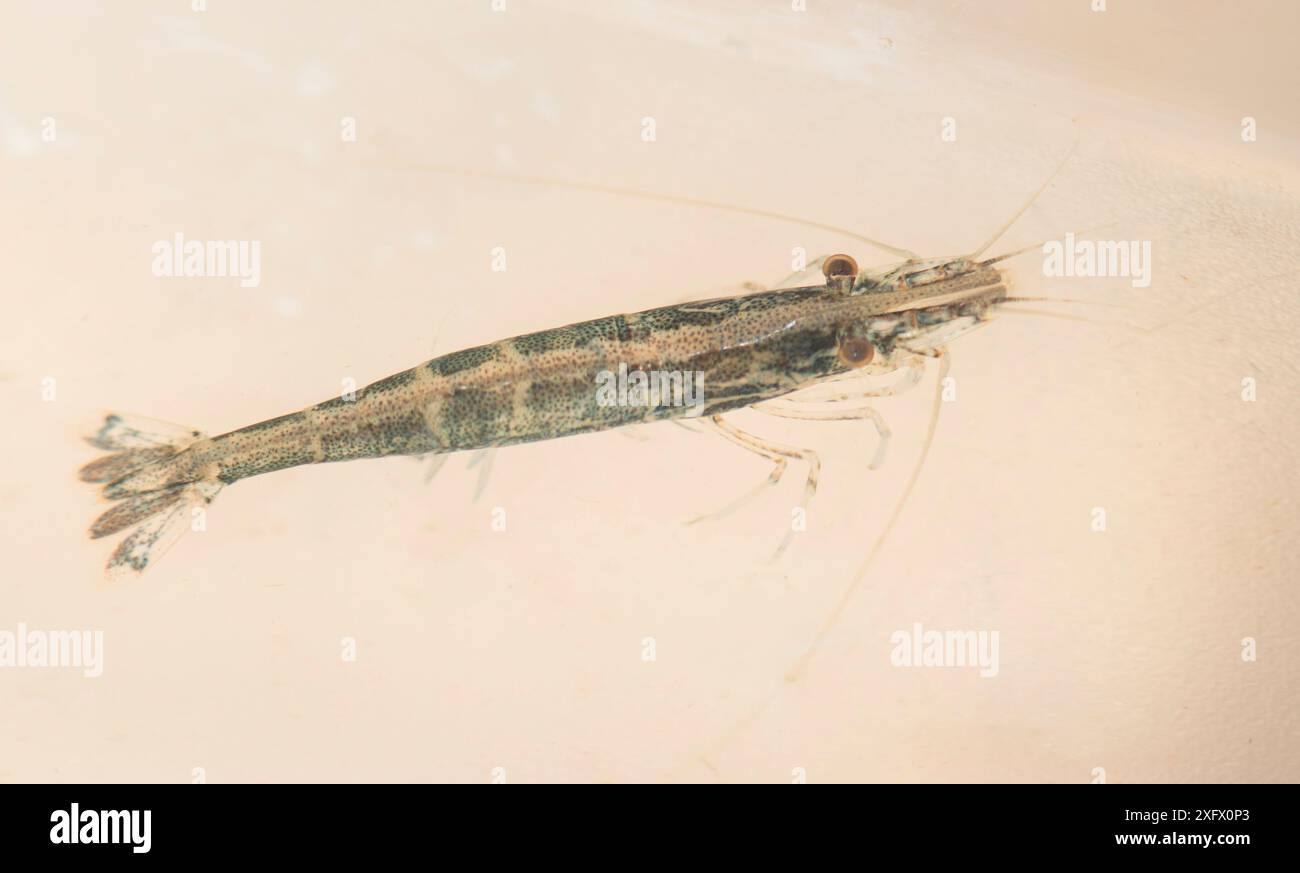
(856, 351)
(840, 271)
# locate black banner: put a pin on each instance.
(209, 821)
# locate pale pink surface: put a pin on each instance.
(522, 649)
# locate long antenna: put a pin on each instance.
(998, 258)
(1028, 203)
(662, 198)
(796, 672)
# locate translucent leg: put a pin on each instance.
(435, 464)
(734, 434)
(486, 457)
(837, 391)
(780, 456)
(836, 413)
(482, 456)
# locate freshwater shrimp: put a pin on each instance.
(752, 350)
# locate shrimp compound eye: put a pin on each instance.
(840, 271)
(855, 350)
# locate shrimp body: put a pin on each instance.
(719, 355)
(545, 385)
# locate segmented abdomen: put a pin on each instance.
(724, 354)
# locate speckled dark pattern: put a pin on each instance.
(541, 386)
(468, 359)
(544, 385)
